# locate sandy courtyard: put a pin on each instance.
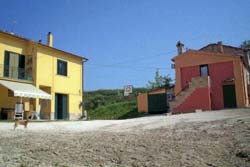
(218, 138)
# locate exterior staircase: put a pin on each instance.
(196, 82)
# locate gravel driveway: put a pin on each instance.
(217, 138)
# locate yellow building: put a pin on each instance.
(40, 76)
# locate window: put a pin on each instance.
(62, 68)
(14, 65)
(204, 70)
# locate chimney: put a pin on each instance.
(50, 39)
(179, 46)
(220, 47)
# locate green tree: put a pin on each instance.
(245, 44)
(159, 81)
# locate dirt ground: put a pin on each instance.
(205, 139)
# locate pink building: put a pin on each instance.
(212, 78)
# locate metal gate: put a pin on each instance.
(157, 103)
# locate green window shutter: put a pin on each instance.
(56, 106)
(6, 64)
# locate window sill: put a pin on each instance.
(16, 80)
(64, 76)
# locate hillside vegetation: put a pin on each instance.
(111, 104)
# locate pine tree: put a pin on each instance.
(159, 81)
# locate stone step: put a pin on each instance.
(193, 84)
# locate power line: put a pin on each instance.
(119, 65)
(145, 57)
(125, 66)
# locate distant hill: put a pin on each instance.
(111, 104)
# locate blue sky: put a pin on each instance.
(125, 40)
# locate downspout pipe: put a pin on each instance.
(84, 60)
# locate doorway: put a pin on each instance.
(45, 104)
(61, 106)
(229, 96)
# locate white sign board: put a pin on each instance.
(128, 89)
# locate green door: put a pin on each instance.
(61, 106)
(56, 105)
(157, 103)
(229, 96)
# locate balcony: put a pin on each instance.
(15, 73)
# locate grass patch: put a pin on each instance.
(119, 110)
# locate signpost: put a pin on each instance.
(128, 89)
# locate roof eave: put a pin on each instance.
(29, 40)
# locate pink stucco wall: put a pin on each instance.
(218, 72)
(199, 99)
(187, 73)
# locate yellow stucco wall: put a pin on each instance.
(17, 46)
(45, 72)
(70, 84)
(10, 44)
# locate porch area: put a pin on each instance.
(29, 98)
